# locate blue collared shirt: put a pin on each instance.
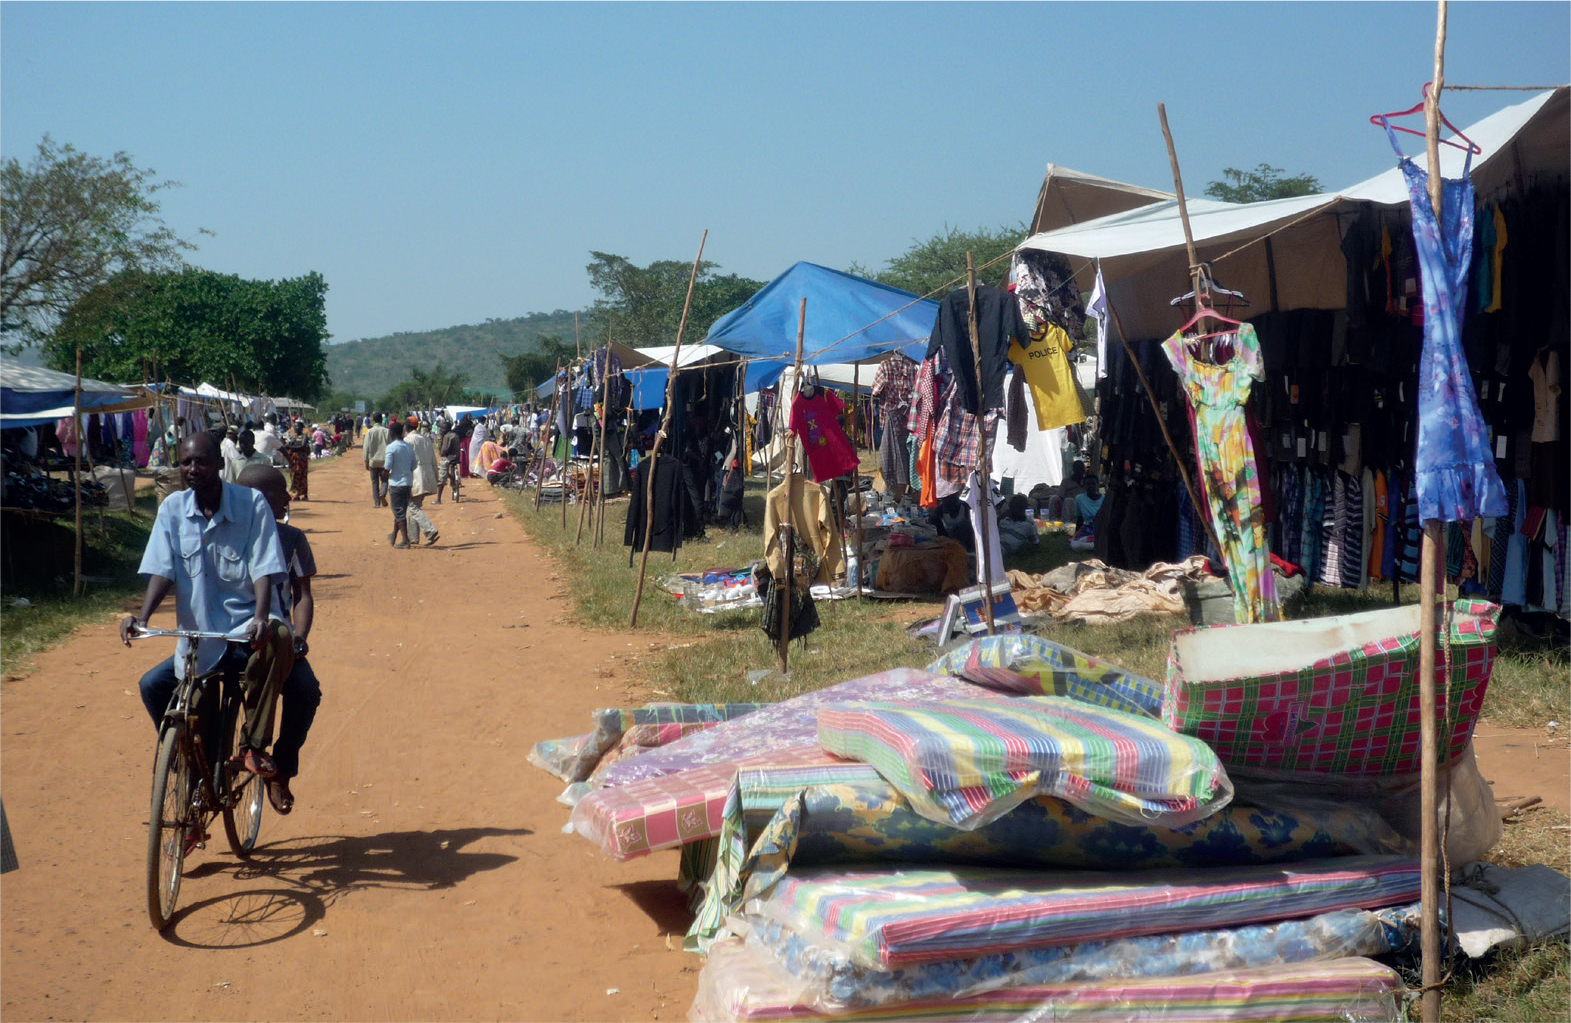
(400, 464)
(213, 564)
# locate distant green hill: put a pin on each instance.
(373, 365)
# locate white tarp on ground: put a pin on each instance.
(1142, 250)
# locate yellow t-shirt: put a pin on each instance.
(1050, 377)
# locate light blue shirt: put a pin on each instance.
(400, 464)
(213, 563)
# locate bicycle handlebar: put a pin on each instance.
(145, 633)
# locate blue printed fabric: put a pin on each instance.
(1455, 471)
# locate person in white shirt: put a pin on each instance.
(425, 480)
(231, 452)
(270, 442)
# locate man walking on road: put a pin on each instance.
(375, 446)
(425, 480)
(400, 472)
(451, 444)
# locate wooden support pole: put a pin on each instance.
(76, 476)
(788, 533)
(605, 424)
(545, 444)
(583, 507)
(1428, 582)
(984, 494)
(567, 444)
(1183, 206)
(665, 424)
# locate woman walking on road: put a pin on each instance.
(297, 449)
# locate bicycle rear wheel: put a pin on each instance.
(168, 819)
(242, 791)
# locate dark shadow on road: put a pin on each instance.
(245, 919)
(661, 901)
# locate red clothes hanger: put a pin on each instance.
(1385, 119)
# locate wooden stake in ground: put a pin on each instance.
(583, 507)
(545, 443)
(567, 444)
(76, 476)
(665, 424)
(984, 553)
(1183, 206)
(788, 535)
(1428, 582)
(604, 417)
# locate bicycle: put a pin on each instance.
(189, 789)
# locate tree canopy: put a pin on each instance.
(70, 222)
(195, 325)
(644, 304)
(531, 369)
(928, 266)
(428, 389)
(1262, 183)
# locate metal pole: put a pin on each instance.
(665, 423)
(76, 476)
(788, 542)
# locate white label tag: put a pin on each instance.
(1325, 442)
(1500, 446)
(1287, 440)
(1303, 447)
(1501, 395)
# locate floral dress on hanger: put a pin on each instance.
(1218, 394)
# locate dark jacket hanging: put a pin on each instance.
(997, 319)
(670, 509)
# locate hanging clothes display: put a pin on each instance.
(1455, 478)
(997, 320)
(985, 507)
(1044, 358)
(893, 386)
(1218, 393)
(812, 522)
(671, 512)
(815, 419)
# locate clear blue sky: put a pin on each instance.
(442, 164)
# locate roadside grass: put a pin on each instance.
(710, 660)
(110, 556)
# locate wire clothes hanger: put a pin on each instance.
(1384, 120)
(1205, 309)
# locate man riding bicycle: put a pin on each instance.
(216, 546)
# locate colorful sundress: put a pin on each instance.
(1218, 393)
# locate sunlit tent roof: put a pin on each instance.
(1302, 267)
(30, 395)
(849, 319)
(1074, 197)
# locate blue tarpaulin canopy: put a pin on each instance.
(849, 319)
(32, 395)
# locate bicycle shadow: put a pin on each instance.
(310, 874)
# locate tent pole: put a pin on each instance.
(665, 424)
(1429, 582)
(76, 476)
(788, 543)
(550, 424)
(567, 445)
(1183, 207)
(605, 424)
(984, 552)
(583, 507)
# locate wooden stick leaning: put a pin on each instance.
(76, 476)
(567, 444)
(1428, 582)
(588, 499)
(605, 425)
(545, 444)
(984, 555)
(788, 534)
(665, 424)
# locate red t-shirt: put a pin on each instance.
(816, 423)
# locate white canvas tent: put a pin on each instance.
(1300, 265)
(1074, 197)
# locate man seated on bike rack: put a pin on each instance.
(302, 693)
(215, 545)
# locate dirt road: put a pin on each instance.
(423, 874)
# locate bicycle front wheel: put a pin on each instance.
(168, 820)
(243, 791)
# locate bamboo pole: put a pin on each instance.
(567, 444)
(984, 553)
(583, 506)
(1183, 206)
(665, 423)
(604, 417)
(788, 541)
(76, 476)
(1428, 576)
(545, 445)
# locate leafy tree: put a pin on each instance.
(433, 388)
(645, 303)
(199, 325)
(938, 264)
(531, 369)
(1262, 183)
(70, 223)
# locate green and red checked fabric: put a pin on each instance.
(1352, 711)
(967, 762)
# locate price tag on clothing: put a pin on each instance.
(1500, 446)
(1501, 396)
(1287, 440)
(1303, 447)
(1325, 442)
(1293, 392)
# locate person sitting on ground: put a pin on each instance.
(400, 468)
(216, 546)
(301, 692)
(1088, 503)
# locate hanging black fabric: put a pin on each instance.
(670, 510)
(997, 319)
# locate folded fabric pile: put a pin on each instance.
(1090, 591)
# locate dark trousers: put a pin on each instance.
(297, 709)
(378, 487)
(263, 675)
